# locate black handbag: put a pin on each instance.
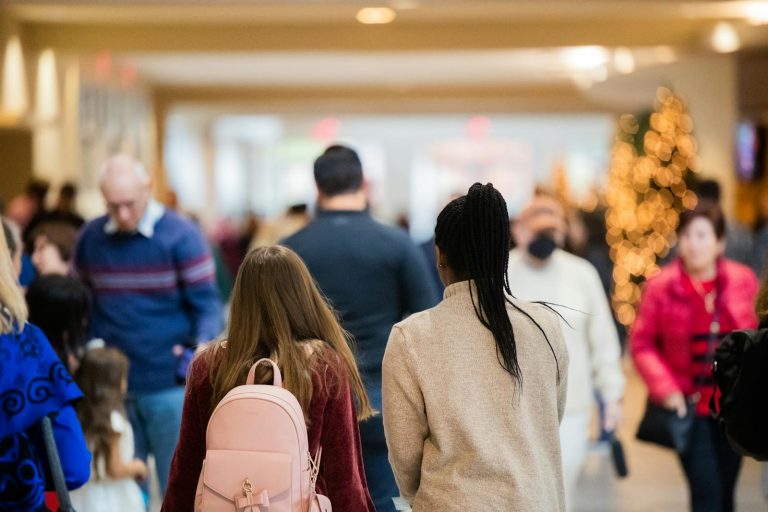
(664, 427)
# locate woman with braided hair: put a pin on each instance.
(474, 388)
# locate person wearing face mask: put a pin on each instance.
(539, 270)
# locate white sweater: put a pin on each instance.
(591, 338)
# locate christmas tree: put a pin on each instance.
(651, 162)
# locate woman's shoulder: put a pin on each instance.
(544, 315)
(200, 368)
(325, 363)
(669, 275)
(738, 273)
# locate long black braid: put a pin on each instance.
(473, 233)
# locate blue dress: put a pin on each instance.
(34, 383)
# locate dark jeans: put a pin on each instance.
(711, 467)
(378, 473)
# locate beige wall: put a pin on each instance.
(16, 161)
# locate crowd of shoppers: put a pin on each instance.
(459, 375)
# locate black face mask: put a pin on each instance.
(542, 247)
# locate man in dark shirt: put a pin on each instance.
(374, 276)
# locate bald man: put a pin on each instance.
(539, 270)
(152, 279)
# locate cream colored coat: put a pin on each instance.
(588, 328)
(462, 435)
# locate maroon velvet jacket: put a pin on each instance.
(333, 425)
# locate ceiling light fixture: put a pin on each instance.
(585, 57)
(756, 13)
(376, 15)
(623, 60)
(14, 84)
(724, 38)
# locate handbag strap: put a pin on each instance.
(54, 463)
(714, 332)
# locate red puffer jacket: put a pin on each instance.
(660, 339)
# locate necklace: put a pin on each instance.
(708, 298)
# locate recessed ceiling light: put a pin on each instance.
(756, 13)
(376, 15)
(585, 57)
(724, 38)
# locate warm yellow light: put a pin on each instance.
(585, 57)
(14, 99)
(47, 90)
(756, 13)
(376, 15)
(724, 38)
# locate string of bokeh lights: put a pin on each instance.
(646, 192)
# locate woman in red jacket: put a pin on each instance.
(278, 312)
(684, 312)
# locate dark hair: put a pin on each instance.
(60, 307)
(708, 211)
(708, 189)
(61, 235)
(100, 378)
(68, 190)
(10, 240)
(338, 171)
(38, 189)
(473, 233)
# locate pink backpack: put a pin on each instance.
(257, 457)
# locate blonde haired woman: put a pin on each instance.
(33, 384)
(278, 312)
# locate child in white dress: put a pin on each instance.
(102, 378)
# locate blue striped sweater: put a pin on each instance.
(150, 294)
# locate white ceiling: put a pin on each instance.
(522, 67)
